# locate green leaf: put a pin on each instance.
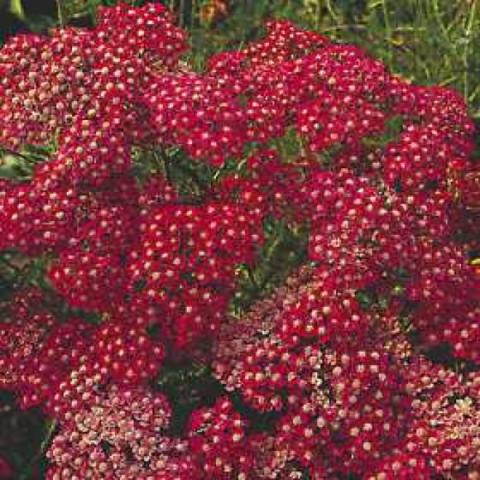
(290, 145)
(39, 23)
(72, 9)
(11, 168)
(16, 8)
(189, 386)
(365, 299)
(393, 128)
(19, 166)
(284, 250)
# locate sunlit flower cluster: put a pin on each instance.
(158, 186)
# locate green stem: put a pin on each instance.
(16, 8)
(10, 265)
(448, 81)
(48, 436)
(194, 13)
(52, 425)
(438, 18)
(318, 16)
(333, 28)
(162, 160)
(466, 50)
(388, 32)
(474, 94)
(252, 278)
(181, 14)
(13, 153)
(61, 17)
(331, 10)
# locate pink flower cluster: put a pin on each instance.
(363, 364)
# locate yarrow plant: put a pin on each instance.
(263, 270)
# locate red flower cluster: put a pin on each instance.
(199, 114)
(37, 350)
(356, 401)
(120, 435)
(155, 186)
(50, 83)
(217, 439)
(185, 265)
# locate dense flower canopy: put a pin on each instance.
(152, 194)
